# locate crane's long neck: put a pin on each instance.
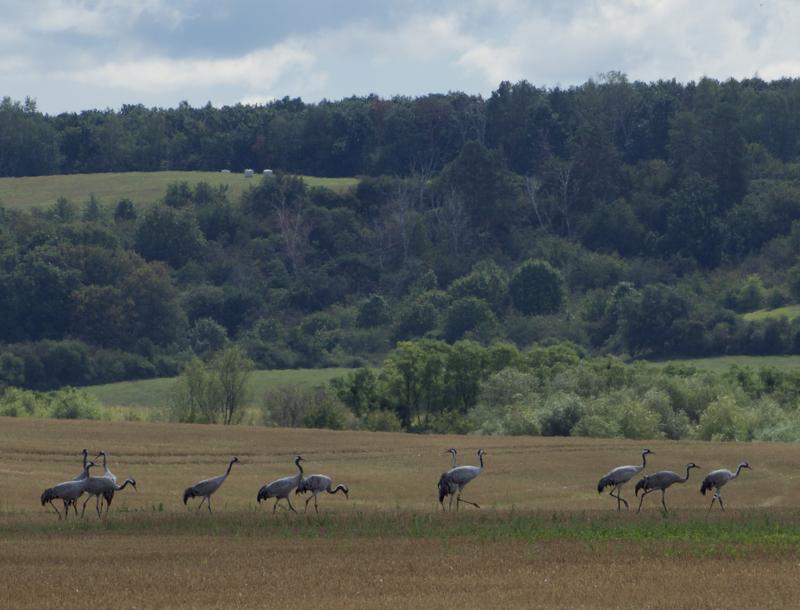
(738, 470)
(105, 465)
(227, 472)
(480, 457)
(300, 468)
(686, 478)
(125, 484)
(453, 455)
(85, 458)
(86, 468)
(644, 461)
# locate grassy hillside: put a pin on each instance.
(139, 187)
(723, 363)
(543, 536)
(150, 393)
(789, 312)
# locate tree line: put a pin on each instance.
(582, 135)
(641, 220)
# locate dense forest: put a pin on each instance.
(633, 219)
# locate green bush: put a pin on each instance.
(560, 414)
(382, 421)
(296, 407)
(725, 420)
(15, 402)
(71, 403)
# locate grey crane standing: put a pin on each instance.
(620, 475)
(662, 480)
(103, 487)
(453, 482)
(717, 479)
(207, 487)
(317, 483)
(82, 474)
(68, 492)
(281, 488)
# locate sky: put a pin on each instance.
(72, 55)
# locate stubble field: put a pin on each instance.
(543, 536)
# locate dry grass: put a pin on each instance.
(235, 572)
(544, 537)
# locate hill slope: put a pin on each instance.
(139, 187)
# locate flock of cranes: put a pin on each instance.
(102, 488)
(451, 483)
(663, 480)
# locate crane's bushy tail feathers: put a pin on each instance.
(48, 496)
(642, 484)
(443, 488)
(262, 494)
(189, 493)
(602, 484)
(705, 486)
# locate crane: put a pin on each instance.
(107, 473)
(108, 495)
(453, 482)
(317, 483)
(443, 485)
(68, 492)
(281, 488)
(662, 480)
(717, 479)
(620, 475)
(454, 453)
(207, 487)
(80, 476)
(104, 487)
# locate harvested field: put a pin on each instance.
(543, 537)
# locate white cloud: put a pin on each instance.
(258, 70)
(100, 18)
(114, 51)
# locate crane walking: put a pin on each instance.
(68, 492)
(620, 475)
(281, 488)
(317, 483)
(207, 487)
(662, 480)
(453, 482)
(717, 479)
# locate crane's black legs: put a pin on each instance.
(290, 504)
(638, 510)
(619, 498)
(663, 503)
(83, 508)
(312, 497)
(715, 498)
(58, 512)
(459, 500)
(209, 505)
